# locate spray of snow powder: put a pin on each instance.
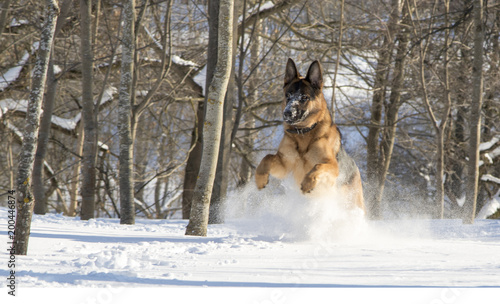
(281, 212)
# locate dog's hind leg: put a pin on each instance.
(271, 164)
(353, 192)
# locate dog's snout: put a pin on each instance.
(287, 114)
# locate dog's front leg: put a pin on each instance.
(271, 164)
(327, 171)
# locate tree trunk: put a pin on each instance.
(213, 122)
(43, 138)
(194, 159)
(4, 15)
(89, 160)
(444, 119)
(439, 126)
(73, 192)
(337, 60)
(245, 172)
(10, 162)
(127, 207)
(391, 116)
(475, 115)
(373, 191)
(45, 124)
(456, 184)
(25, 202)
(221, 176)
(193, 163)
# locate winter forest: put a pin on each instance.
(104, 104)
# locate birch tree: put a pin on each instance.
(127, 207)
(25, 199)
(219, 189)
(198, 221)
(194, 161)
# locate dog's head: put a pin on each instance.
(304, 99)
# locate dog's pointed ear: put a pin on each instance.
(291, 72)
(315, 75)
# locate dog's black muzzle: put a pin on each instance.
(293, 115)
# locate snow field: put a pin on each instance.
(275, 238)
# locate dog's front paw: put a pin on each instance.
(261, 180)
(308, 184)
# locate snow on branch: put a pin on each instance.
(490, 150)
(175, 59)
(489, 144)
(66, 124)
(16, 23)
(490, 178)
(21, 105)
(12, 74)
(18, 135)
(488, 209)
(266, 10)
(258, 9)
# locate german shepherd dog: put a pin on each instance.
(311, 147)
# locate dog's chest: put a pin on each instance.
(297, 160)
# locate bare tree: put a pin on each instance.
(439, 123)
(379, 68)
(475, 115)
(374, 165)
(247, 145)
(221, 177)
(46, 123)
(89, 122)
(194, 160)
(25, 200)
(379, 155)
(213, 122)
(127, 204)
(337, 61)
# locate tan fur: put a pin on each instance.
(310, 157)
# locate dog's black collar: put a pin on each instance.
(301, 130)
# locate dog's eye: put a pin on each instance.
(304, 99)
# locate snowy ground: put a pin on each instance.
(290, 243)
